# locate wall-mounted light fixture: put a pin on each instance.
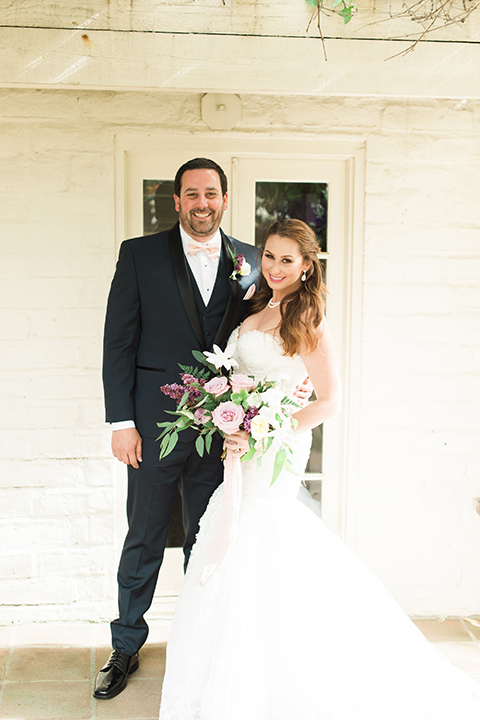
(221, 111)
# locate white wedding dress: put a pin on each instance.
(292, 625)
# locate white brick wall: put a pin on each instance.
(420, 471)
(419, 459)
(57, 256)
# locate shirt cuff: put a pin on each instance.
(122, 425)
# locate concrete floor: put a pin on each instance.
(41, 681)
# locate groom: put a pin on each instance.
(173, 292)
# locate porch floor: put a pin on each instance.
(54, 681)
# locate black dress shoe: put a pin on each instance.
(112, 678)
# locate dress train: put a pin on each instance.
(292, 625)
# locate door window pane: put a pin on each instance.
(291, 200)
(158, 206)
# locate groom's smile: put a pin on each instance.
(201, 204)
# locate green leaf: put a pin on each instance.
(314, 3)
(183, 400)
(166, 431)
(200, 445)
(200, 357)
(163, 446)
(195, 371)
(280, 458)
(346, 13)
(208, 441)
(289, 401)
(288, 466)
(172, 443)
(269, 443)
(184, 423)
(248, 455)
(187, 414)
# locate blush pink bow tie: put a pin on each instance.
(212, 251)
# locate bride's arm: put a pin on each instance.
(322, 367)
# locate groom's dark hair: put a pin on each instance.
(199, 164)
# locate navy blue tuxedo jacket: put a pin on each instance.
(153, 323)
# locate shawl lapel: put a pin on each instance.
(184, 283)
(234, 288)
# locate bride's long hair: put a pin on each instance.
(302, 310)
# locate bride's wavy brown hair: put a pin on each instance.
(302, 310)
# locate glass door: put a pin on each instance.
(324, 188)
(267, 189)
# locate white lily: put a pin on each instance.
(269, 413)
(222, 358)
(283, 434)
(273, 397)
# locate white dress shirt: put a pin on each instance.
(204, 269)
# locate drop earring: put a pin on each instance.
(304, 277)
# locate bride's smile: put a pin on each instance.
(282, 265)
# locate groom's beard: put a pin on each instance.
(198, 227)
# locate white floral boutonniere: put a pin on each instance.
(240, 266)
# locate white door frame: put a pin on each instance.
(159, 157)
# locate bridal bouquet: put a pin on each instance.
(210, 401)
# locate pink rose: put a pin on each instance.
(238, 381)
(228, 417)
(201, 415)
(217, 386)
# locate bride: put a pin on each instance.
(291, 624)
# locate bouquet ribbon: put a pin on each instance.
(227, 528)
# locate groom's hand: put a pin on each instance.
(302, 392)
(127, 446)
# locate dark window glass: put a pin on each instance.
(158, 206)
(291, 200)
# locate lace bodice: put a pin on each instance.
(260, 354)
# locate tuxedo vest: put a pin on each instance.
(211, 314)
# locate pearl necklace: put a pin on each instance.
(272, 304)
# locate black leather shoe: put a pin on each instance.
(112, 678)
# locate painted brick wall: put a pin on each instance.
(419, 460)
(420, 468)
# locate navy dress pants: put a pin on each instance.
(151, 496)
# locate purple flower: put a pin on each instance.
(174, 390)
(188, 379)
(249, 415)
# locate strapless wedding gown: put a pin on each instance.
(292, 625)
